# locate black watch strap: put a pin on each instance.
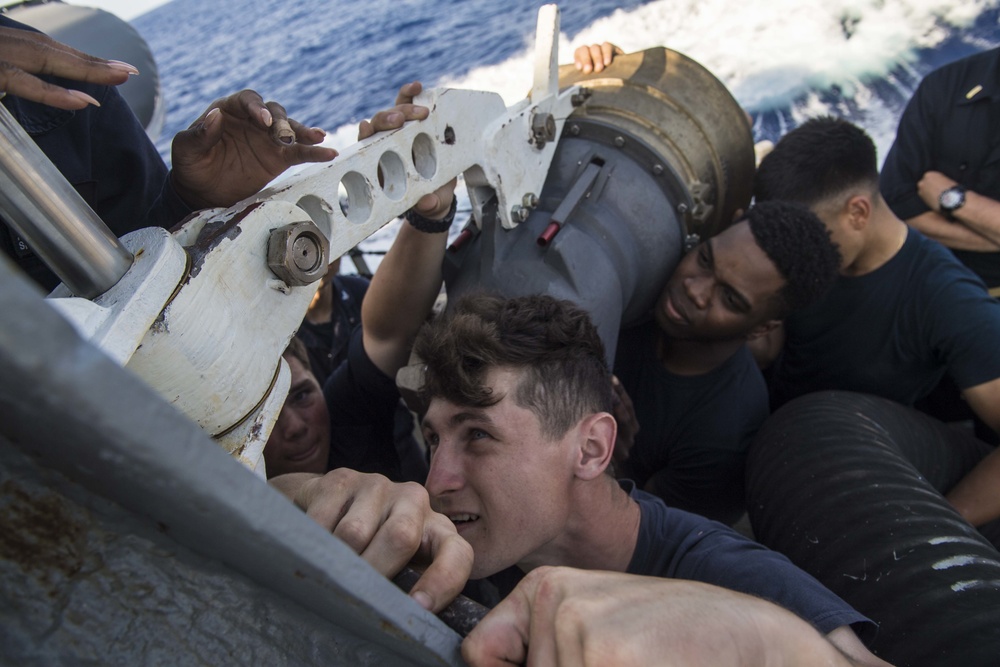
(429, 226)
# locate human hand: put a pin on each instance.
(24, 53)
(596, 57)
(562, 616)
(628, 424)
(432, 206)
(389, 525)
(930, 186)
(237, 147)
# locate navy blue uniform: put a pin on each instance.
(894, 332)
(327, 342)
(950, 127)
(362, 402)
(679, 545)
(694, 430)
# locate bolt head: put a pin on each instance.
(298, 253)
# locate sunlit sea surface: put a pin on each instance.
(333, 63)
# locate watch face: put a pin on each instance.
(951, 199)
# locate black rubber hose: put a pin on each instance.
(846, 486)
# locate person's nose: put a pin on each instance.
(446, 472)
(699, 290)
(291, 425)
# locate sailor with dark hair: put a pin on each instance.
(699, 397)
(902, 314)
(521, 436)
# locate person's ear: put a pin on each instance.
(597, 444)
(859, 211)
(762, 329)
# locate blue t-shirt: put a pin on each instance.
(679, 545)
(893, 332)
(694, 429)
(362, 403)
(676, 544)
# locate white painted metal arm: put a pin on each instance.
(213, 350)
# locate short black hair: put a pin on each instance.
(799, 244)
(820, 158)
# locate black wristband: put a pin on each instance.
(429, 226)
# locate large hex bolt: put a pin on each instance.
(543, 128)
(298, 253)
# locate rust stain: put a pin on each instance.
(41, 532)
(212, 234)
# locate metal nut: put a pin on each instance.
(578, 99)
(530, 200)
(543, 128)
(519, 213)
(298, 253)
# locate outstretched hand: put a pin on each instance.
(23, 54)
(237, 147)
(389, 524)
(435, 205)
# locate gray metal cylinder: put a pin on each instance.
(658, 150)
(52, 217)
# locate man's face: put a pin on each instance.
(300, 440)
(503, 483)
(722, 289)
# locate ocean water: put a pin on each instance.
(332, 63)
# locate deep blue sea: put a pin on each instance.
(332, 63)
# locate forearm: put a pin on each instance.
(977, 495)
(958, 236)
(401, 295)
(981, 215)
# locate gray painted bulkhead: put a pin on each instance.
(128, 537)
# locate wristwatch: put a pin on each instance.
(951, 200)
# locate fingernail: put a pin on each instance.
(119, 64)
(423, 599)
(85, 97)
(319, 129)
(265, 116)
(211, 116)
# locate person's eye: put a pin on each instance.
(478, 434)
(431, 439)
(702, 256)
(733, 303)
